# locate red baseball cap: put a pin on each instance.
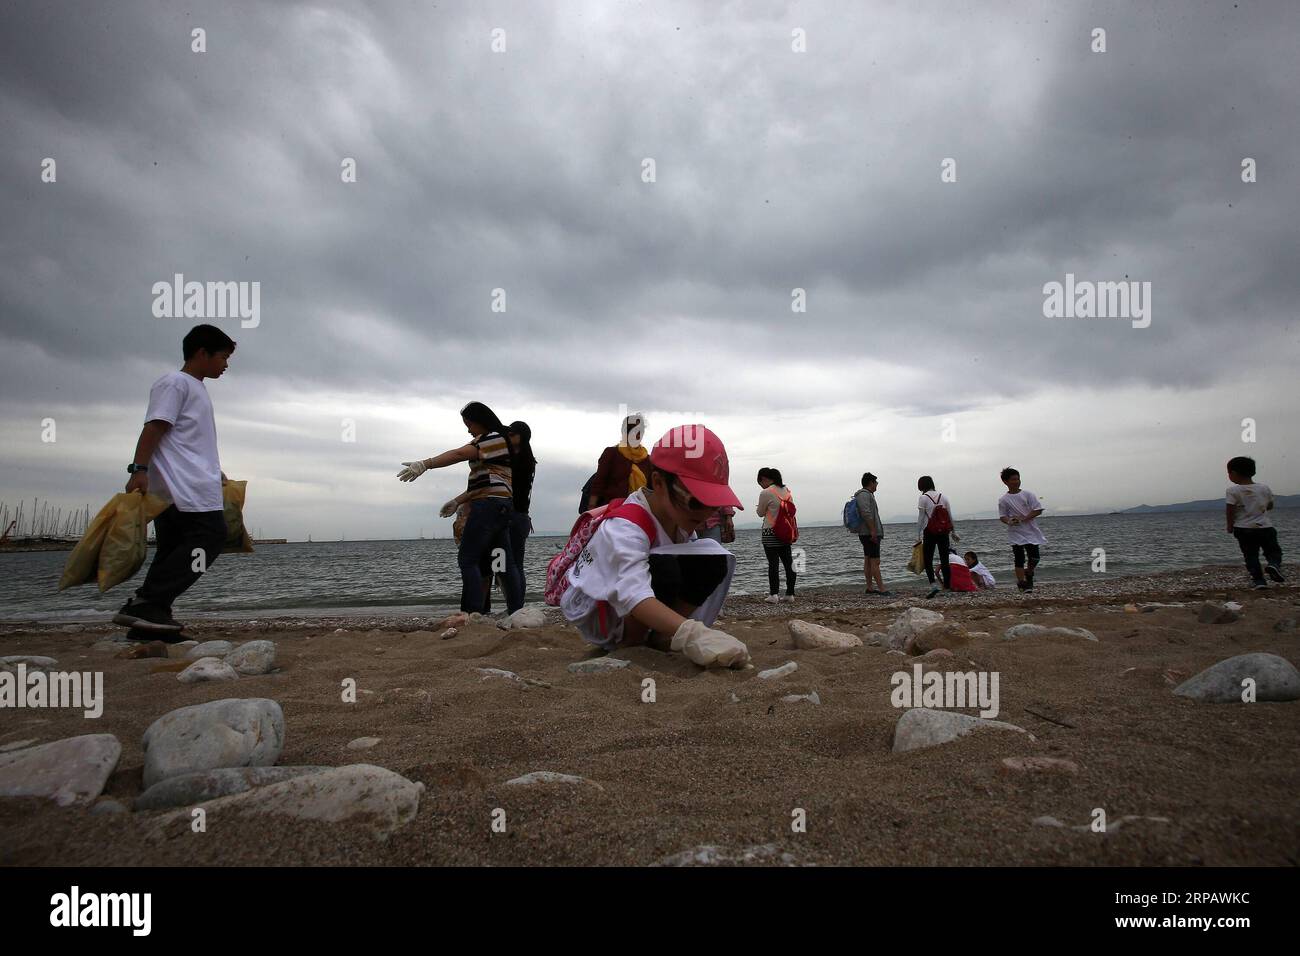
(698, 459)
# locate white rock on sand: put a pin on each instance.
(1112, 826)
(209, 649)
(812, 698)
(807, 636)
(363, 743)
(527, 617)
(782, 671)
(1038, 630)
(11, 662)
(550, 776)
(378, 799)
(598, 665)
(70, 771)
(497, 672)
(206, 669)
(712, 855)
(922, 727)
(252, 658)
(222, 733)
(191, 788)
(1276, 679)
(907, 624)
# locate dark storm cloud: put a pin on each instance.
(776, 170)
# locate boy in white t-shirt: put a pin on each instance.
(1248, 505)
(176, 460)
(628, 587)
(1018, 510)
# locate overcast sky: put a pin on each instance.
(924, 347)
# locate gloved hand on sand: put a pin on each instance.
(413, 470)
(707, 647)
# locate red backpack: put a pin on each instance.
(557, 572)
(940, 521)
(784, 526)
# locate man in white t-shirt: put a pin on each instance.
(176, 460)
(1018, 510)
(1248, 505)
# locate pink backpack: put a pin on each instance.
(557, 572)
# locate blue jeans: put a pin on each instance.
(520, 527)
(486, 530)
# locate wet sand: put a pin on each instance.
(696, 769)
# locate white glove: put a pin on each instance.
(707, 647)
(413, 470)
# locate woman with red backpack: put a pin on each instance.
(776, 508)
(933, 528)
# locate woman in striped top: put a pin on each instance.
(489, 494)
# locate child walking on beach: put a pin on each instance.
(1017, 510)
(176, 460)
(645, 577)
(1248, 505)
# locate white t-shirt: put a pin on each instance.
(614, 567)
(1250, 505)
(1021, 505)
(982, 575)
(185, 468)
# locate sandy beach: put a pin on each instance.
(719, 759)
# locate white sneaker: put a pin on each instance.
(771, 599)
(787, 598)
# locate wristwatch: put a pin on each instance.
(132, 468)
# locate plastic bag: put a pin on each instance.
(232, 504)
(114, 545)
(917, 563)
(83, 563)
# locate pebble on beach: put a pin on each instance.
(69, 772)
(922, 727)
(1038, 630)
(775, 672)
(207, 669)
(252, 658)
(808, 636)
(204, 785)
(598, 665)
(379, 800)
(550, 776)
(1276, 679)
(209, 649)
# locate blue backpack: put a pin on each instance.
(852, 516)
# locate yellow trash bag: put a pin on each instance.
(232, 503)
(113, 547)
(917, 563)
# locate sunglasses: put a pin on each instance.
(686, 499)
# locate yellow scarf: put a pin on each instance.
(636, 477)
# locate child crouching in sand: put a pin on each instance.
(644, 577)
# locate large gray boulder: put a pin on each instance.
(222, 733)
(191, 788)
(376, 798)
(70, 771)
(1275, 679)
(922, 727)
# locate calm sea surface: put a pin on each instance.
(390, 577)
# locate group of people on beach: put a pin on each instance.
(1018, 509)
(645, 562)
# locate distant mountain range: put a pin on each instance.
(1207, 504)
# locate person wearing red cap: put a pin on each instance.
(628, 587)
